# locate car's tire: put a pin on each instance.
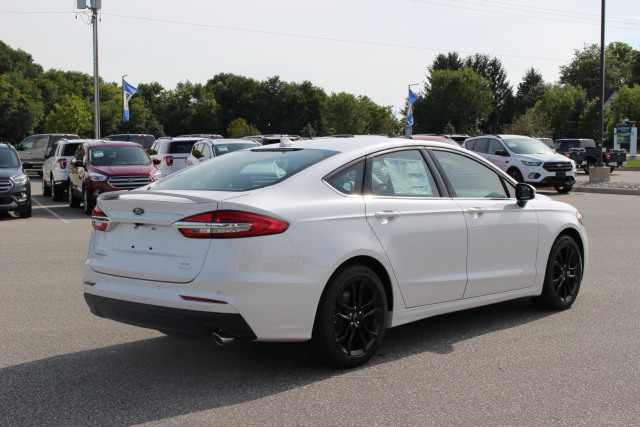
(87, 203)
(515, 174)
(57, 191)
(562, 188)
(25, 212)
(563, 275)
(46, 190)
(74, 202)
(351, 318)
(588, 166)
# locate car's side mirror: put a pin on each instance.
(502, 153)
(156, 162)
(78, 163)
(524, 193)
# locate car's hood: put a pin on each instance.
(6, 173)
(544, 157)
(124, 170)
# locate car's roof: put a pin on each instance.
(94, 143)
(233, 141)
(356, 145)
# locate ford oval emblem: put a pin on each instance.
(138, 211)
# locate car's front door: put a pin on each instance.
(503, 237)
(423, 235)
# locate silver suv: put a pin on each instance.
(172, 153)
(526, 159)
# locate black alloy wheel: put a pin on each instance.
(563, 188)
(45, 189)
(351, 318)
(563, 275)
(515, 174)
(74, 202)
(87, 203)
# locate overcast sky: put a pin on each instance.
(374, 48)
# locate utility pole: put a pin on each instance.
(95, 6)
(602, 82)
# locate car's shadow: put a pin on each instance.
(164, 377)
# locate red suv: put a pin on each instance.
(101, 166)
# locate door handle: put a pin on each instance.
(476, 211)
(386, 214)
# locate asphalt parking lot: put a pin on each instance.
(505, 364)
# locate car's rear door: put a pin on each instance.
(423, 235)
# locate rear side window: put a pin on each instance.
(69, 149)
(244, 170)
(181, 147)
(481, 146)
(402, 174)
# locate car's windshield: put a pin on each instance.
(220, 149)
(244, 170)
(526, 145)
(9, 159)
(113, 155)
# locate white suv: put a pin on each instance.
(55, 170)
(172, 153)
(210, 148)
(526, 159)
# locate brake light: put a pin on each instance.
(62, 163)
(168, 160)
(229, 224)
(99, 220)
(607, 156)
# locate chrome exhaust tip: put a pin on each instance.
(221, 339)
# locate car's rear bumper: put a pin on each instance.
(168, 318)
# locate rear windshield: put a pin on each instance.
(221, 149)
(114, 155)
(9, 159)
(70, 149)
(244, 170)
(181, 147)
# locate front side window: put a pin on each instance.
(495, 146)
(402, 173)
(470, 178)
(244, 170)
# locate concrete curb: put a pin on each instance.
(606, 190)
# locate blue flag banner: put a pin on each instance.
(412, 97)
(127, 92)
(410, 119)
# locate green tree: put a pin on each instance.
(343, 113)
(584, 68)
(21, 110)
(73, 115)
(589, 123)
(558, 106)
(530, 90)
(460, 97)
(450, 61)
(530, 123)
(18, 61)
(239, 128)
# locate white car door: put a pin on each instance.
(424, 235)
(502, 236)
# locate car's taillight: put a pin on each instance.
(229, 224)
(607, 156)
(168, 160)
(99, 220)
(62, 163)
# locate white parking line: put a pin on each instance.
(50, 211)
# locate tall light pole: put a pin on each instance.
(95, 6)
(601, 144)
(123, 102)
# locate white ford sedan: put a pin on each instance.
(330, 241)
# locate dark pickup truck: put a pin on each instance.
(573, 147)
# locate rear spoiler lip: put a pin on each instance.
(114, 195)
